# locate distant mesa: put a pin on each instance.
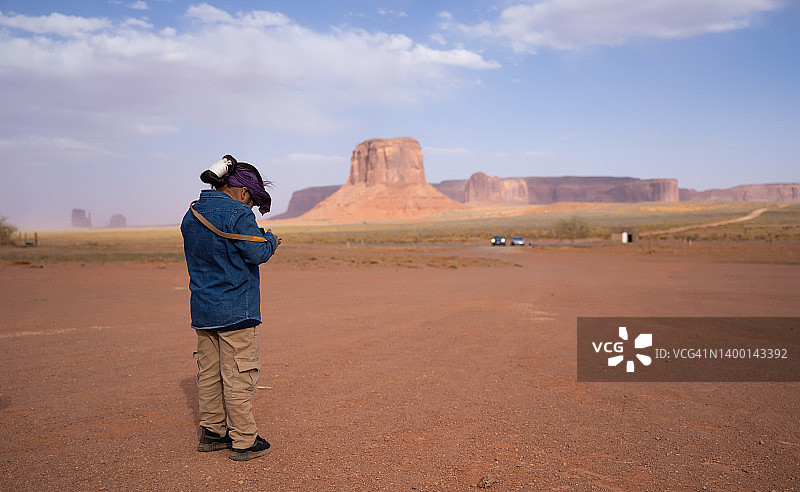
(81, 219)
(304, 200)
(481, 189)
(775, 192)
(387, 180)
(117, 220)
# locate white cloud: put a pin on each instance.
(570, 24)
(456, 57)
(140, 23)
(139, 5)
(438, 39)
(258, 19)
(208, 14)
(55, 23)
(252, 69)
(392, 13)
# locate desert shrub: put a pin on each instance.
(573, 228)
(6, 231)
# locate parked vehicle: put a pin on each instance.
(498, 241)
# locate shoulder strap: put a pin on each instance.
(227, 235)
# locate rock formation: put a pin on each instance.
(776, 192)
(483, 189)
(387, 181)
(80, 218)
(453, 188)
(601, 189)
(118, 220)
(304, 200)
(393, 162)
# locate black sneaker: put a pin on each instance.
(210, 441)
(259, 448)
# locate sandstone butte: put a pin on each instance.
(387, 181)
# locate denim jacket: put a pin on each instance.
(223, 273)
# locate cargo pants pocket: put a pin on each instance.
(248, 369)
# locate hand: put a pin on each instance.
(278, 238)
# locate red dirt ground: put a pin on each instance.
(378, 376)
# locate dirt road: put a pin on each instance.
(744, 218)
(381, 376)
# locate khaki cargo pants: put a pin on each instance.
(227, 373)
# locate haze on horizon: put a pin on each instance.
(116, 107)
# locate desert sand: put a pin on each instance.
(390, 368)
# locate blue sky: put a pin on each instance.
(117, 106)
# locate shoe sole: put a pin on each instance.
(248, 455)
(214, 446)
